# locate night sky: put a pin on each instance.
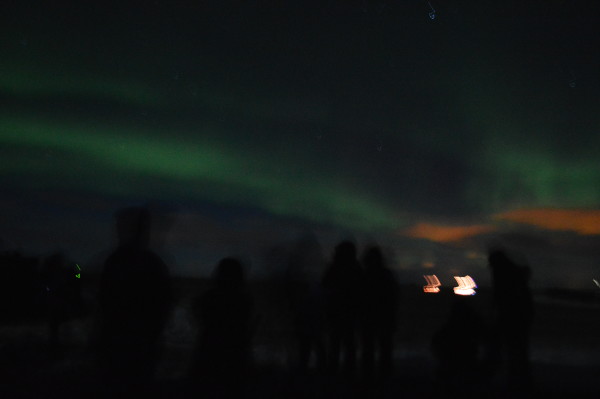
(244, 125)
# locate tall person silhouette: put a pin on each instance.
(378, 313)
(513, 315)
(224, 343)
(342, 285)
(459, 347)
(63, 297)
(135, 297)
(306, 300)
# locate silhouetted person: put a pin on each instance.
(378, 313)
(306, 298)
(342, 284)
(224, 344)
(459, 347)
(63, 296)
(21, 294)
(513, 314)
(135, 297)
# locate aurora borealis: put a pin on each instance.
(254, 122)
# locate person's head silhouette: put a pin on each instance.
(497, 258)
(345, 252)
(229, 275)
(133, 227)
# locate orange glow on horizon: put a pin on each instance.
(582, 221)
(445, 234)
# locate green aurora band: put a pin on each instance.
(518, 161)
(510, 167)
(120, 161)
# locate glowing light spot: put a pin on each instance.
(466, 285)
(596, 282)
(433, 284)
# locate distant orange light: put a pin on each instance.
(582, 221)
(433, 284)
(474, 255)
(444, 233)
(466, 285)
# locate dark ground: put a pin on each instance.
(565, 351)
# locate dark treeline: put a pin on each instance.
(344, 312)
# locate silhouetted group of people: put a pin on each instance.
(346, 313)
(361, 304)
(344, 317)
(352, 303)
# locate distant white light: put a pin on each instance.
(596, 281)
(433, 284)
(466, 285)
